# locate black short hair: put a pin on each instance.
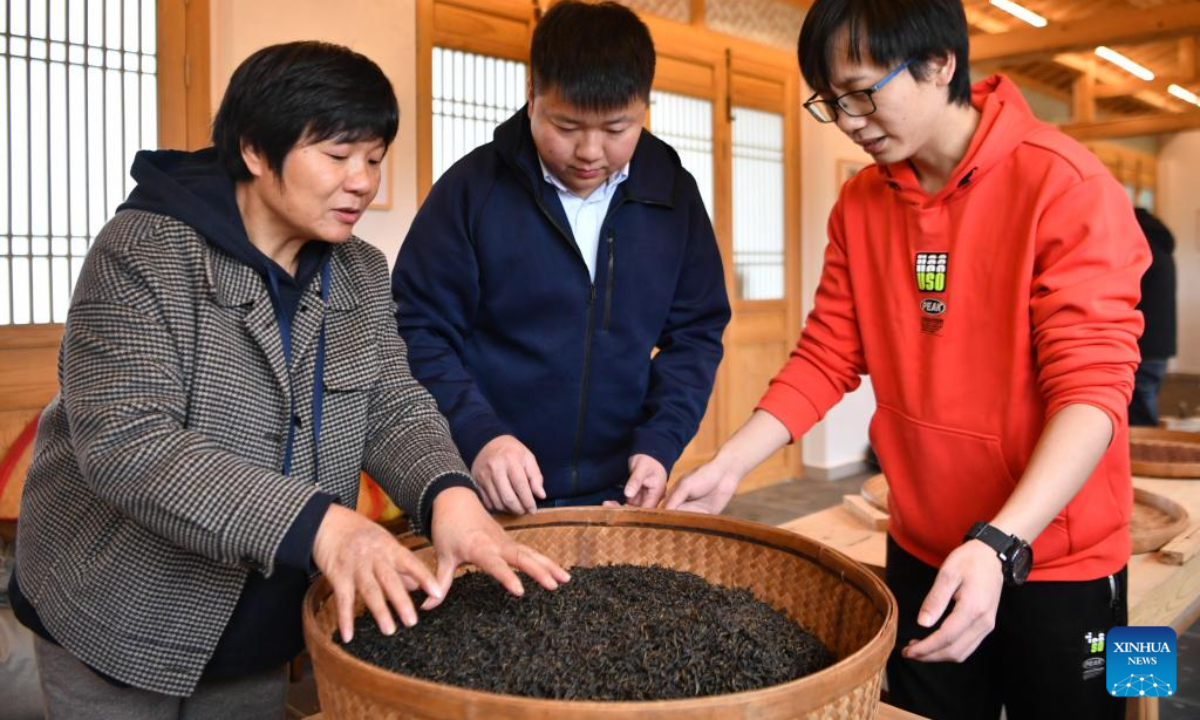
(302, 91)
(890, 31)
(600, 56)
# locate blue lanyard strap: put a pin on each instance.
(318, 401)
(319, 374)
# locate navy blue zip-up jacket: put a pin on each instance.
(510, 334)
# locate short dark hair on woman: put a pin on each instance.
(599, 56)
(302, 91)
(890, 31)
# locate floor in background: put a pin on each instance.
(789, 500)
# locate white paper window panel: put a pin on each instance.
(79, 95)
(686, 123)
(758, 206)
(472, 94)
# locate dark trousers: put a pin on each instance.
(1147, 382)
(73, 691)
(1037, 663)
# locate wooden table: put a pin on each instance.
(1159, 594)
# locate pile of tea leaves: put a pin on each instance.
(613, 633)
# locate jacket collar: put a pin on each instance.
(234, 283)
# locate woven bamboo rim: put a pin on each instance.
(1151, 450)
(1156, 521)
(846, 605)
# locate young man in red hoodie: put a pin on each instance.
(985, 272)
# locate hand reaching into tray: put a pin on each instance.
(360, 558)
(463, 532)
(508, 474)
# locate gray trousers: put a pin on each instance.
(71, 690)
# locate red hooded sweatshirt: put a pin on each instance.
(979, 313)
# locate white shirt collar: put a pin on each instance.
(613, 180)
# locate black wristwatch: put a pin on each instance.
(1016, 557)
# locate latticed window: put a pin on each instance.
(686, 123)
(758, 204)
(472, 94)
(79, 98)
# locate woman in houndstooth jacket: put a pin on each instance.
(230, 363)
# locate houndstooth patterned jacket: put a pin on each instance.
(155, 485)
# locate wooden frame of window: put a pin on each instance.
(28, 353)
(184, 116)
(501, 28)
(184, 110)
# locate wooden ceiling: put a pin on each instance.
(1059, 60)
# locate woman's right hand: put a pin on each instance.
(360, 558)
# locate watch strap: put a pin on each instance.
(993, 537)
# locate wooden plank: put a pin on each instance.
(16, 337)
(1115, 27)
(30, 378)
(757, 92)
(685, 77)
(1154, 124)
(1160, 593)
(472, 30)
(839, 529)
(1182, 548)
(865, 512)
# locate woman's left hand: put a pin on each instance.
(463, 532)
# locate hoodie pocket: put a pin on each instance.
(942, 481)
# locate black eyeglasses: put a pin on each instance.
(856, 103)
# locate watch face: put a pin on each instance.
(1022, 562)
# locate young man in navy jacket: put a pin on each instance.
(547, 266)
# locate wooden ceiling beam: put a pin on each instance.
(1130, 87)
(1073, 61)
(1083, 95)
(1187, 56)
(1116, 27)
(1155, 124)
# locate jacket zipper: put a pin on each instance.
(583, 392)
(587, 347)
(587, 343)
(608, 283)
